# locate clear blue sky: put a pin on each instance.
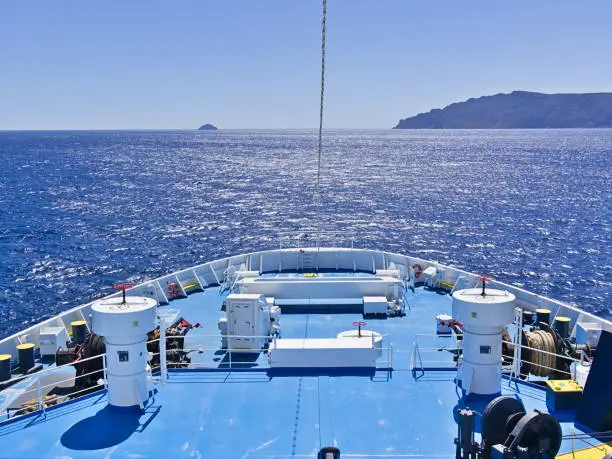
(255, 64)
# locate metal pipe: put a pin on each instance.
(41, 403)
(162, 351)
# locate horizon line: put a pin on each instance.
(191, 129)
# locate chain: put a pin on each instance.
(320, 146)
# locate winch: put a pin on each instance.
(508, 432)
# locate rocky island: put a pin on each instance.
(519, 110)
(207, 127)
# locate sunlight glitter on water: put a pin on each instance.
(95, 208)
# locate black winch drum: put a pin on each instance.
(79, 331)
(543, 315)
(561, 326)
(26, 356)
(5, 367)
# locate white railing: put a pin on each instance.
(463, 282)
(419, 359)
(34, 397)
(210, 273)
(233, 358)
(515, 369)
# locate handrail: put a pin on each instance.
(541, 366)
(524, 297)
(417, 351)
(51, 369)
(270, 337)
(237, 350)
(39, 387)
(543, 352)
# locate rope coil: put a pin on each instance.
(542, 362)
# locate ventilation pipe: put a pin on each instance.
(124, 324)
(483, 313)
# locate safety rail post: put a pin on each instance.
(41, 403)
(584, 358)
(516, 364)
(459, 373)
(162, 351)
(104, 371)
(418, 353)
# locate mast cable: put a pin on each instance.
(320, 145)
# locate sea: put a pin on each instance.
(82, 211)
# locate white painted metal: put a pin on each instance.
(428, 276)
(275, 316)
(375, 305)
(328, 258)
(443, 324)
(303, 290)
(51, 339)
(163, 324)
(323, 352)
(388, 273)
(125, 327)
(518, 335)
(222, 326)
(375, 338)
(248, 319)
(588, 333)
(582, 372)
(243, 274)
(483, 318)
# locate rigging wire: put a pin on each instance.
(321, 104)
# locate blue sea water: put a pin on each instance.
(81, 211)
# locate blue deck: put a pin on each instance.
(255, 413)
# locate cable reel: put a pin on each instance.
(509, 432)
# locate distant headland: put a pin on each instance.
(207, 127)
(519, 110)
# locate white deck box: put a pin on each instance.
(51, 339)
(374, 305)
(323, 352)
(248, 321)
